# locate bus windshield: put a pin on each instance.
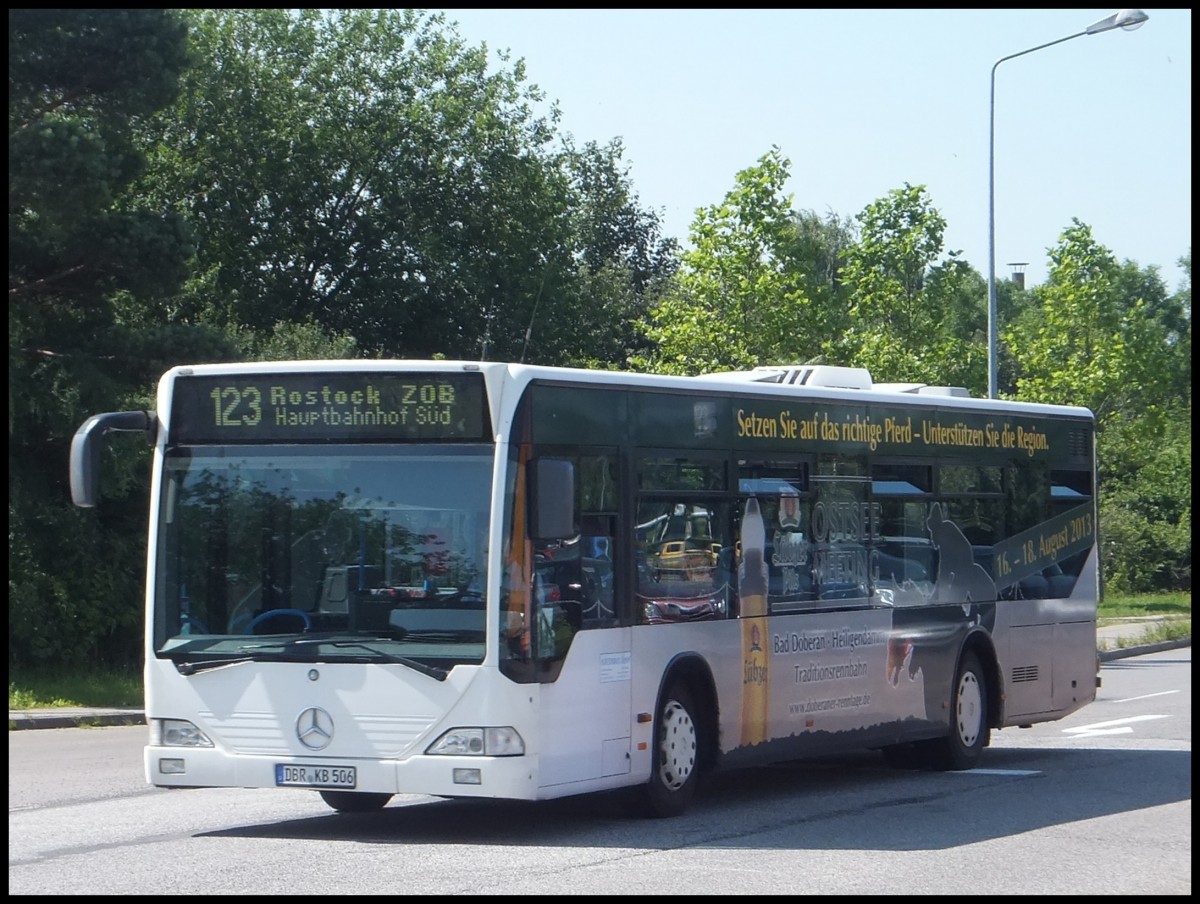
(323, 553)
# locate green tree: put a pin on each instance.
(907, 310)
(1167, 321)
(296, 342)
(1110, 338)
(740, 299)
(1089, 340)
(1146, 501)
(616, 264)
(364, 171)
(816, 249)
(81, 257)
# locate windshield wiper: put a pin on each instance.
(444, 636)
(191, 668)
(431, 670)
(365, 643)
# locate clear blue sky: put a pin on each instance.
(862, 101)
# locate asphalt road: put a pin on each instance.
(1097, 803)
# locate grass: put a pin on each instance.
(1169, 604)
(42, 689)
(54, 688)
(1175, 610)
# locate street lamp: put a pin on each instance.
(1127, 19)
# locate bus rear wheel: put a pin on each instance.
(675, 762)
(969, 732)
(355, 801)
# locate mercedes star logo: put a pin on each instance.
(314, 728)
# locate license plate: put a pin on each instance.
(301, 776)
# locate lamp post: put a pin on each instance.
(1127, 19)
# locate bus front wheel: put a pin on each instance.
(675, 762)
(355, 801)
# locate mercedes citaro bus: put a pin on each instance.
(497, 580)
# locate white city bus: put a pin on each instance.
(507, 581)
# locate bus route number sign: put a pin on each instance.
(328, 407)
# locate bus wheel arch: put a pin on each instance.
(973, 703)
(981, 645)
(975, 709)
(683, 740)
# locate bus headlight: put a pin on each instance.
(176, 733)
(500, 741)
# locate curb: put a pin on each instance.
(1122, 652)
(73, 718)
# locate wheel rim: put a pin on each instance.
(970, 709)
(677, 748)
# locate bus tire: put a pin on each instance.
(969, 732)
(675, 760)
(355, 801)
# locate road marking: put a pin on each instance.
(1017, 772)
(1084, 733)
(1116, 726)
(1146, 696)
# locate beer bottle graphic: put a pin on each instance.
(752, 595)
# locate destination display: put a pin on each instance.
(329, 407)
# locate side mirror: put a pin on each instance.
(86, 445)
(552, 499)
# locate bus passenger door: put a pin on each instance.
(585, 728)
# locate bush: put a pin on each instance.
(1143, 555)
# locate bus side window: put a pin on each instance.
(578, 572)
(685, 559)
(596, 567)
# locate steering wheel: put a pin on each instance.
(279, 613)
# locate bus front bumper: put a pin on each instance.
(512, 777)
